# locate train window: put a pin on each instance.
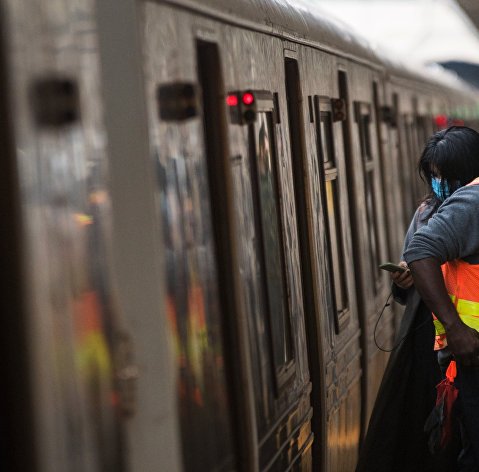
(410, 162)
(363, 120)
(422, 130)
(326, 149)
(327, 139)
(405, 176)
(268, 221)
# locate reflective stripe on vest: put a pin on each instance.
(468, 311)
(462, 284)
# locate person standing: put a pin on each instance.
(443, 257)
(395, 440)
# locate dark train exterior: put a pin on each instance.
(196, 199)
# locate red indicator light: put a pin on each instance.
(441, 121)
(248, 98)
(232, 100)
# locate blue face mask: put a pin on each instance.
(440, 189)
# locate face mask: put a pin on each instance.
(441, 190)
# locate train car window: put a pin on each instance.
(383, 170)
(269, 224)
(363, 120)
(423, 130)
(410, 162)
(200, 280)
(325, 144)
(326, 132)
(404, 176)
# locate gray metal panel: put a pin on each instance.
(471, 7)
(152, 432)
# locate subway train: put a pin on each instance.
(196, 198)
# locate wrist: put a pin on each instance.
(453, 324)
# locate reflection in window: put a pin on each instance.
(327, 140)
(335, 238)
(273, 257)
(363, 121)
(412, 156)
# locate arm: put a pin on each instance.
(402, 282)
(428, 280)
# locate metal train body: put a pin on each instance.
(197, 196)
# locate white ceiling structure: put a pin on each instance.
(416, 31)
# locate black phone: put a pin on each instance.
(390, 267)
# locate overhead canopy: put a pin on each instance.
(420, 31)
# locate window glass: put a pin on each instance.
(327, 140)
(365, 138)
(273, 255)
(363, 121)
(335, 239)
(372, 224)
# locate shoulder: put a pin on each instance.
(424, 211)
(465, 196)
(458, 213)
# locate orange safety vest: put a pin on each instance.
(462, 284)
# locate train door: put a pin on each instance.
(423, 124)
(272, 292)
(407, 168)
(409, 163)
(390, 184)
(220, 193)
(367, 213)
(185, 99)
(343, 397)
(307, 214)
(391, 188)
(416, 148)
(62, 220)
(396, 163)
(16, 400)
(284, 336)
(266, 245)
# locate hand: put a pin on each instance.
(402, 279)
(463, 342)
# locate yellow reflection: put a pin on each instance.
(83, 219)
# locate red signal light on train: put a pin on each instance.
(241, 106)
(232, 100)
(441, 121)
(248, 98)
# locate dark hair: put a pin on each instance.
(453, 154)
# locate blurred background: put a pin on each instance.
(426, 32)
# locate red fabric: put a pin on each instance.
(446, 395)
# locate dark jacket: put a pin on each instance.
(395, 440)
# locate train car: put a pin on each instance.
(197, 198)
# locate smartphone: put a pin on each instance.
(389, 266)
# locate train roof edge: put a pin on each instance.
(303, 22)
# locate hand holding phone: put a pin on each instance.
(400, 274)
(390, 267)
